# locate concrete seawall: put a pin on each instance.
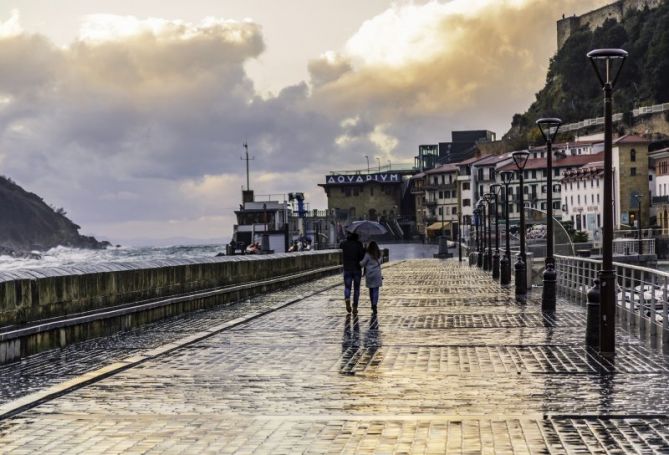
(46, 308)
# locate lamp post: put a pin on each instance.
(488, 197)
(549, 128)
(505, 263)
(459, 236)
(479, 235)
(476, 235)
(520, 159)
(367, 158)
(607, 276)
(638, 223)
(378, 160)
(486, 235)
(495, 189)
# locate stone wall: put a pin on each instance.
(593, 19)
(29, 296)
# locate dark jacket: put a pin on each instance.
(353, 254)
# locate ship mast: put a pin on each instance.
(247, 159)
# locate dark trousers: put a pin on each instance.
(374, 296)
(352, 278)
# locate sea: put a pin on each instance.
(62, 256)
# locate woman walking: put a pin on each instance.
(373, 278)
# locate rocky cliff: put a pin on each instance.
(28, 223)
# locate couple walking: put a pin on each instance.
(357, 258)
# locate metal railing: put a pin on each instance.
(640, 291)
(631, 246)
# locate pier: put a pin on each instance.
(452, 364)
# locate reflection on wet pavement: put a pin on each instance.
(450, 365)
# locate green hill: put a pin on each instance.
(28, 223)
(572, 91)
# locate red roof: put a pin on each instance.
(471, 160)
(631, 139)
(444, 168)
(569, 161)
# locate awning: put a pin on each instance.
(438, 226)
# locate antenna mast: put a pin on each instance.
(247, 159)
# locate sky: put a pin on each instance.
(131, 114)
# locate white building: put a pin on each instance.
(582, 193)
(441, 201)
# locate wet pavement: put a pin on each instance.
(450, 365)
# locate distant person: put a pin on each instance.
(373, 277)
(353, 253)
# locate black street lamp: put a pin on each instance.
(479, 240)
(495, 189)
(505, 262)
(638, 197)
(485, 210)
(549, 128)
(520, 159)
(459, 236)
(607, 276)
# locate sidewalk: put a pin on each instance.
(451, 365)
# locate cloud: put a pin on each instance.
(139, 123)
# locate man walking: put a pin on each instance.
(353, 252)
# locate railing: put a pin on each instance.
(650, 109)
(660, 199)
(631, 246)
(641, 291)
(376, 169)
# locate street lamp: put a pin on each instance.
(549, 128)
(485, 211)
(459, 236)
(505, 263)
(378, 160)
(389, 165)
(489, 198)
(476, 235)
(479, 235)
(495, 189)
(520, 159)
(638, 204)
(367, 158)
(607, 276)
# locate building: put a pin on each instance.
(463, 145)
(583, 188)
(441, 201)
(660, 188)
(582, 193)
(417, 186)
(378, 196)
(535, 177)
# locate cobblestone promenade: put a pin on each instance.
(451, 365)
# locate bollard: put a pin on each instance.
(521, 276)
(592, 321)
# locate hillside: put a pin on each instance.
(28, 223)
(572, 91)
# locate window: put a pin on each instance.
(632, 171)
(526, 190)
(441, 194)
(599, 220)
(592, 183)
(597, 183)
(544, 188)
(480, 190)
(572, 200)
(556, 172)
(545, 172)
(543, 206)
(491, 173)
(526, 174)
(441, 210)
(578, 199)
(480, 174)
(556, 205)
(465, 185)
(592, 198)
(466, 202)
(632, 155)
(450, 178)
(578, 185)
(598, 198)
(534, 174)
(454, 211)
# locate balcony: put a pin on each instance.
(661, 199)
(441, 186)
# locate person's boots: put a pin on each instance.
(348, 305)
(355, 308)
(373, 308)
